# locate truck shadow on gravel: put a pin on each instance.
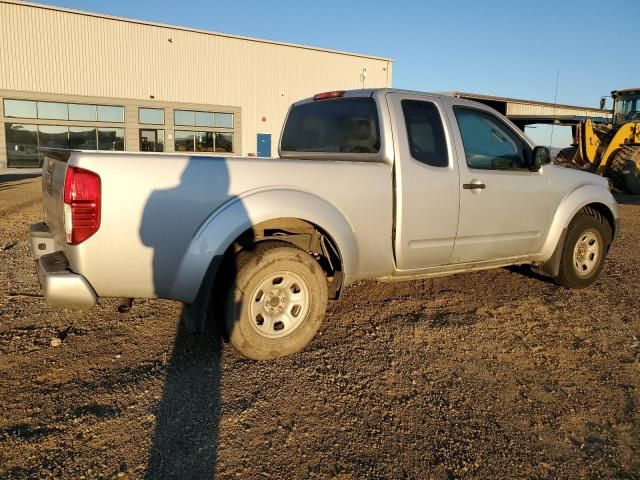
(7, 179)
(185, 441)
(627, 199)
(529, 272)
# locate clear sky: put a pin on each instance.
(504, 48)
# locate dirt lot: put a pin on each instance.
(488, 375)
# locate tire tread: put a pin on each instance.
(625, 181)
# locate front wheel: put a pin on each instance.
(584, 251)
(276, 302)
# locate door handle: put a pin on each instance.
(473, 186)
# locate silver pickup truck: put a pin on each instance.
(383, 184)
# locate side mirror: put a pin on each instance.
(541, 156)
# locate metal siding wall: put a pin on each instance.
(525, 109)
(51, 51)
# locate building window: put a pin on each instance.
(184, 141)
(20, 109)
(22, 145)
(183, 118)
(224, 120)
(203, 119)
(151, 116)
(83, 126)
(85, 113)
(109, 113)
(83, 138)
(110, 138)
(24, 140)
(63, 111)
(189, 141)
(204, 142)
(53, 136)
(224, 142)
(52, 111)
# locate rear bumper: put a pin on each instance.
(62, 288)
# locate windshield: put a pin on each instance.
(626, 108)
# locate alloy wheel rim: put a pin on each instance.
(279, 304)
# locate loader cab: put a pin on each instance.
(626, 106)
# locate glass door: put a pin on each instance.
(151, 140)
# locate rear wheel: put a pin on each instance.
(584, 250)
(624, 169)
(277, 302)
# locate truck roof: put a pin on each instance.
(368, 92)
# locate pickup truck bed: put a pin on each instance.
(152, 230)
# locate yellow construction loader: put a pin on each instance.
(610, 149)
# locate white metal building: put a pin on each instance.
(528, 112)
(82, 80)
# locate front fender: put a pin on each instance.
(239, 214)
(570, 205)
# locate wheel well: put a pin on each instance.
(597, 210)
(302, 234)
(603, 214)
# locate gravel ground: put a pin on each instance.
(495, 374)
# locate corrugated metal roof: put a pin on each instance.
(190, 29)
(478, 96)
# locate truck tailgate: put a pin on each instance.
(54, 171)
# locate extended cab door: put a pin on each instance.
(504, 207)
(426, 182)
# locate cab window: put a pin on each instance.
(345, 125)
(488, 143)
(425, 133)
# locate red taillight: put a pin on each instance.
(81, 204)
(327, 95)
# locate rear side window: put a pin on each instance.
(425, 133)
(346, 125)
